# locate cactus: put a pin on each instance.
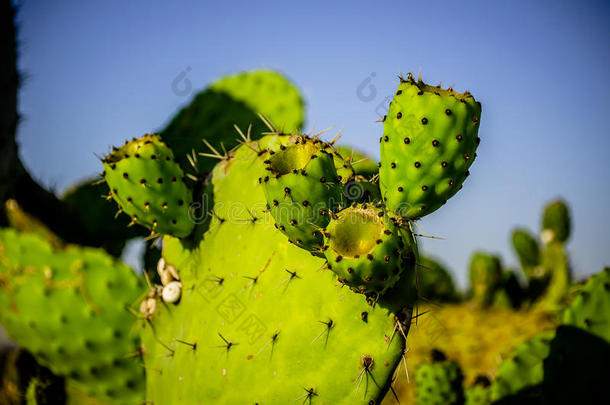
(476, 337)
(150, 186)
(527, 249)
(233, 101)
(556, 225)
(430, 139)
(302, 189)
(439, 382)
(479, 392)
(98, 215)
(287, 311)
(238, 313)
(546, 265)
(434, 281)
(366, 250)
(69, 309)
(485, 277)
(525, 368)
(590, 310)
(360, 163)
(540, 369)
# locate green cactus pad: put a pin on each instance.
(350, 162)
(439, 382)
(485, 277)
(69, 308)
(366, 250)
(429, 142)
(302, 190)
(527, 249)
(479, 392)
(556, 225)
(150, 186)
(434, 281)
(590, 310)
(234, 100)
(98, 215)
(525, 369)
(277, 328)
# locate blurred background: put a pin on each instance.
(98, 72)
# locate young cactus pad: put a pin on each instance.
(590, 310)
(439, 382)
(150, 186)
(260, 320)
(485, 277)
(70, 309)
(429, 142)
(302, 189)
(556, 225)
(366, 250)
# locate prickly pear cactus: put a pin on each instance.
(439, 382)
(302, 189)
(429, 142)
(70, 309)
(528, 251)
(366, 249)
(434, 281)
(150, 186)
(249, 306)
(233, 100)
(525, 369)
(478, 393)
(556, 224)
(485, 277)
(590, 310)
(277, 322)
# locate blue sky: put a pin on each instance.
(99, 72)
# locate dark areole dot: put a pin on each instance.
(435, 143)
(458, 137)
(399, 92)
(399, 115)
(400, 189)
(448, 111)
(393, 165)
(424, 120)
(407, 141)
(444, 164)
(424, 187)
(417, 164)
(385, 138)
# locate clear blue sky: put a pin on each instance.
(99, 72)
